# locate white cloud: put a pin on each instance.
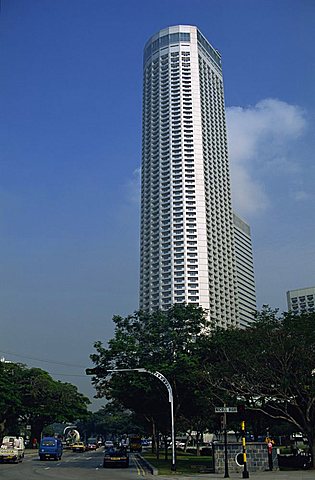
(260, 141)
(133, 187)
(301, 196)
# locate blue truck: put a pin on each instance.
(50, 447)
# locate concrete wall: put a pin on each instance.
(257, 457)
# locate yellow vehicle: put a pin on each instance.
(78, 447)
(135, 443)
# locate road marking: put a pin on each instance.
(140, 469)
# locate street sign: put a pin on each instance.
(225, 409)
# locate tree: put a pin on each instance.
(11, 375)
(110, 420)
(269, 366)
(168, 342)
(30, 395)
(46, 401)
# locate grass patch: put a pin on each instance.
(185, 463)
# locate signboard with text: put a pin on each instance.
(225, 409)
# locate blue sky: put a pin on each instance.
(70, 152)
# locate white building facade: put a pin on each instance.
(301, 300)
(244, 271)
(187, 233)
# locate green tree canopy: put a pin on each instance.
(33, 396)
(168, 342)
(269, 366)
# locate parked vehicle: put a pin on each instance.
(12, 449)
(50, 447)
(116, 457)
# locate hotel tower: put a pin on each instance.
(187, 232)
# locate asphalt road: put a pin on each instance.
(73, 466)
(89, 466)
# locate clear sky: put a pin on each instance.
(70, 153)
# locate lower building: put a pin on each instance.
(244, 271)
(301, 300)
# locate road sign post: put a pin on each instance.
(226, 461)
(225, 410)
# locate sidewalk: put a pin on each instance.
(277, 475)
(30, 451)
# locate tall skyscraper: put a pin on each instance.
(301, 300)
(244, 271)
(187, 233)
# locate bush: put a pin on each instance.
(191, 450)
(206, 452)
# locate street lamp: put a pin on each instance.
(170, 399)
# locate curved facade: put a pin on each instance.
(187, 243)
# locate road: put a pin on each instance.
(73, 466)
(89, 466)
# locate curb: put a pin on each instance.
(31, 451)
(150, 467)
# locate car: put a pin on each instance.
(91, 446)
(108, 444)
(116, 457)
(78, 447)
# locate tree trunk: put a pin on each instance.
(198, 443)
(153, 448)
(187, 440)
(36, 432)
(2, 427)
(311, 442)
(157, 444)
(165, 447)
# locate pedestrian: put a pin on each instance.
(270, 447)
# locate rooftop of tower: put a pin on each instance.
(179, 34)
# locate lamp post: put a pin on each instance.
(170, 399)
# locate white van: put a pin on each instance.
(12, 449)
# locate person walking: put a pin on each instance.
(270, 447)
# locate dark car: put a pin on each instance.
(116, 456)
(91, 446)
